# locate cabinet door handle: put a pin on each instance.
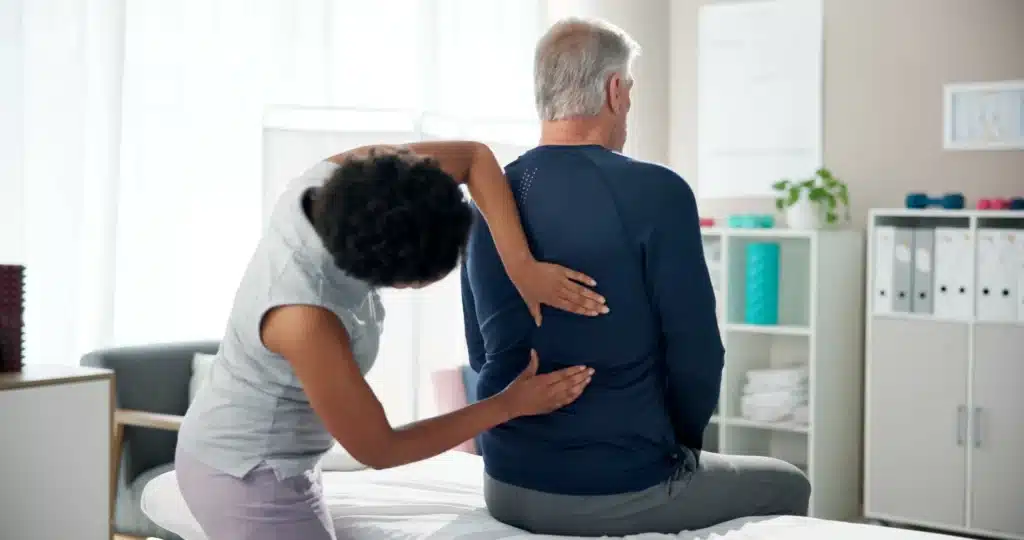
(976, 424)
(961, 424)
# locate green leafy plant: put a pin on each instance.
(822, 189)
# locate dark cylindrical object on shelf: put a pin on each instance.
(12, 280)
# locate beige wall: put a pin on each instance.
(885, 64)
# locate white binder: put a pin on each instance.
(1019, 240)
(997, 275)
(893, 271)
(953, 290)
(903, 270)
(882, 288)
(924, 243)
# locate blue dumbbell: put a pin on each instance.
(949, 201)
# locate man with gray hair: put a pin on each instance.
(626, 457)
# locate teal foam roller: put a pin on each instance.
(762, 287)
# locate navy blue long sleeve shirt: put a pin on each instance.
(658, 355)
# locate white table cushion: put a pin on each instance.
(442, 498)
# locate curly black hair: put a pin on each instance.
(393, 218)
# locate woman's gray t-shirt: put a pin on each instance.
(252, 409)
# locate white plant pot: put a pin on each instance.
(805, 215)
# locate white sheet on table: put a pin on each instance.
(442, 499)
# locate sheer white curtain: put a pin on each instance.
(71, 74)
(143, 150)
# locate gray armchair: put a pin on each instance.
(151, 385)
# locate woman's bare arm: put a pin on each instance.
(317, 346)
(474, 164)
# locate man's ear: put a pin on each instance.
(616, 87)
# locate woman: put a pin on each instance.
(305, 326)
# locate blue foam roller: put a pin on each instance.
(762, 288)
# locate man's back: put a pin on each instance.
(598, 212)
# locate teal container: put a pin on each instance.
(762, 294)
(751, 221)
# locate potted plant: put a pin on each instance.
(813, 203)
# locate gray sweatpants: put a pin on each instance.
(720, 489)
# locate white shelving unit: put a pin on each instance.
(944, 388)
(819, 326)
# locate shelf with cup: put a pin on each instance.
(789, 304)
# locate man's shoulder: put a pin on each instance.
(638, 185)
(655, 172)
(648, 178)
(601, 158)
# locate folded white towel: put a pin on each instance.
(753, 389)
(776, 399)
(793, 370)
(789, 374)
(762, 413)
(775, 394)
(771, 379)
(771, 406)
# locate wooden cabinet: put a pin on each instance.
(55, 439)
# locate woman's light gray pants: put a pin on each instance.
(257, 507)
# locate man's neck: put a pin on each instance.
(574, 132)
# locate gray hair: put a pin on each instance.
(572, 64)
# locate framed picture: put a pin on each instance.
(984, 116)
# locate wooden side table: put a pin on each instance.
(55, 452)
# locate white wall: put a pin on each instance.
(647, 22)
(12, 218)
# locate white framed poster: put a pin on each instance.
(983, 116)
(759, 95)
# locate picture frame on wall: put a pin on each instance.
(983, 116)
